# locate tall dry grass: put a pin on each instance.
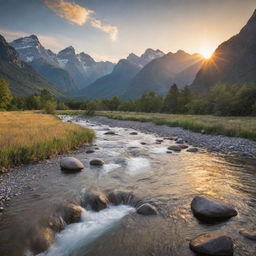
(28, 136)
(244, 127)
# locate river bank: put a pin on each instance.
(216, 143)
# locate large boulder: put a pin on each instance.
(122, 197)
(212, 244)
(248, 234)
(97, 162)
(180, 141)
(41, 239)
(95, 201)
(110, 133)
(71, 213)
(210, 209)
(147, 209)
(71, 164)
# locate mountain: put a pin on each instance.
(23, 80)
(114, 84)
(233, 62)
(159, 74)
(44, 62)
(67, 70)
(145, 58)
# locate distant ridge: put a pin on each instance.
(23, 80)
(233, 62)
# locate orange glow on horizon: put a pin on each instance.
(206, 52)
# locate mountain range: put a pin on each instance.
(233, 62)
(66, 70)
(29, 68)
(23, 79)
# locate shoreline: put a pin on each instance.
(214, 143)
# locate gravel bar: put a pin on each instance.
(216, 143)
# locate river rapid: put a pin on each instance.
(138, 164)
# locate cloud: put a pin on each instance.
(111, 30)
(69, 11)
(48, 42)
(79, 15)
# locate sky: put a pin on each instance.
(111, 29)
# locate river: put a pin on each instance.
(168, 181)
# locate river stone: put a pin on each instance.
(147, 209)
(71, 213)
(71, 164)
(110, 133)
(143, 143)
(90, 151)
(192, 150)
(175, 148)
(212, 244)
(133, 133)
(210, 209)
(180, 141)
(159, 140)
(169, 152)
(183, 146)
(248, 234)
(97, 162)
(41, 240)
(95, 201)
(56, 223)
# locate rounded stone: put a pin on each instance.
(212, 245)
(192, 150)
(71, 213)
(248, 234)
(71, 164)
(95, 201)
(175, 148)
(133, 133)
(97, 162)
(210, 209)
(147, 209)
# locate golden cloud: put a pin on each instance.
(69, 11)
(79, 15)
(111, 30)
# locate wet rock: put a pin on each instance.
(169, 152)
(90, 151)
(71, 213)
(121, 197)
(180, 141)
(212, 244)
(143, 143)
(209, 209)
(203, 131)
(122, 161)
(1, 209)
(147, 209)
(95, 201)
(41, 240)
(110, 133)
(248, 234)
(133, 133)
(56, 223)
(159, 140)
(175, 148)
(192, 150)
(97, 162)
(168, 138)
(183, 146)
(71, 164)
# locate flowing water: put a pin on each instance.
(169, 181)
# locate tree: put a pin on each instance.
(171, 101)
(33, 102)
(150, 102)
(46, 96)
(5, 94)
(49, 107)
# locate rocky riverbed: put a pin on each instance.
(168, 169)
(217, 143)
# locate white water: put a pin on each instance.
(111, 167)
(76, 237)
(137, 165)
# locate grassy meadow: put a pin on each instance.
(28, 136)
(244, 127)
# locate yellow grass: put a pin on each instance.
(230, 126)
(28, 136)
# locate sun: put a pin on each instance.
(206, 52)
